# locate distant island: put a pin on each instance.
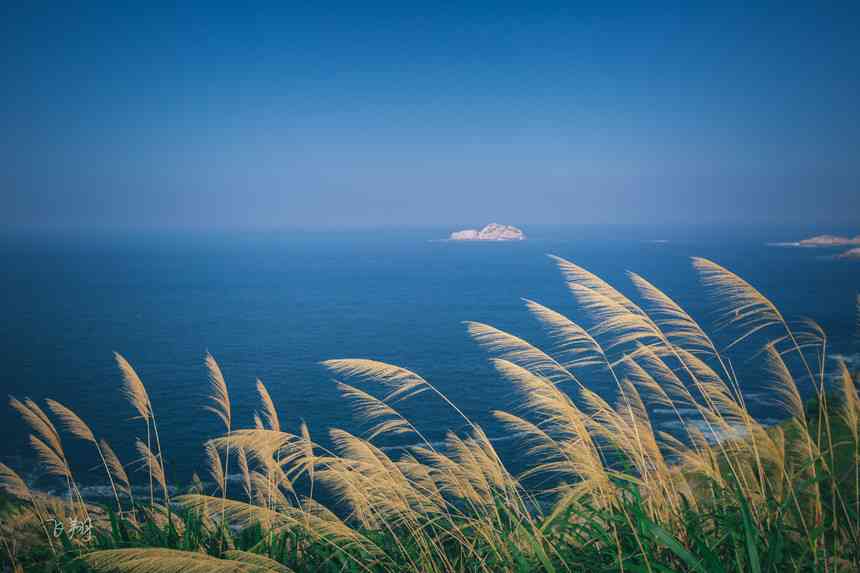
(829, 241)
(492, 232)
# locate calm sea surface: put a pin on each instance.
(272, 306)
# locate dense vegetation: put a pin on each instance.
(724, 494)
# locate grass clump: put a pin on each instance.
(724, 494)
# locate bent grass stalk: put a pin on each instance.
(78, 428)
(220, 399)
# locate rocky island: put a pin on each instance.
(492, 232)
(825, 241)
(829, 241)
(833, 241)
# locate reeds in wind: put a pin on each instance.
(608, 483)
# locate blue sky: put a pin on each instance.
(341, 115)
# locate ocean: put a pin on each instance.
(274, 305)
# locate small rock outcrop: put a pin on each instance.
(492, 232)
(853, 254)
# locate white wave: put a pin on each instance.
(849, 359)
(441, 443)
(670, 411)
(104, 491)
(711, 434)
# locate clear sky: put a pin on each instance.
(362, 114)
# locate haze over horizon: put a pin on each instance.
(217, 116)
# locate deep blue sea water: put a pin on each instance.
(273, 305)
